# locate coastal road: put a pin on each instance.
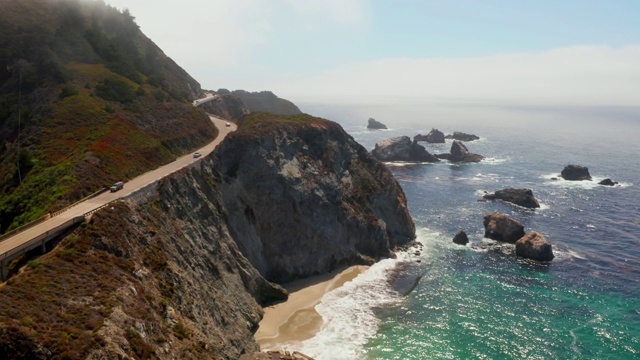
(129, 187)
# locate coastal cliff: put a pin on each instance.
(303, 197)
(180, 268)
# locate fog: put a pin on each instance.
(591, 75)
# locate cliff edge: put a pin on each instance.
(303, 197)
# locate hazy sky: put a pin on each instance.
(582, 51)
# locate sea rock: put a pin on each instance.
(303, 197)
(534, 245)
(374, 124)
(462, 136)
(460, 153)
(522, 197)
(402, 149)
(575, 173)
(434, 136)
(608, 182)
(500, 227)
(461, 238)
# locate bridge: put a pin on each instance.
(208, 97)
(37, 234)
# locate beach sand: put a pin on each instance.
(295, 320)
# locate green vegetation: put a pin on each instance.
(264, 101)
(85, 100)
(265, 118)
(181, 331)
(115, 89)
(60, 300)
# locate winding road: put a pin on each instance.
(36, 235)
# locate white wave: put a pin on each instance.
(544, 206)
(492, 161)
(556, 180)
(561, 254)
(404, 163)
(348, 314)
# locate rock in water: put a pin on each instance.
(434, 136)
(534, 245)
(575, 173)
(462, 136)
(608, 182)
(402, 149)
(374, 124)
(460, 153)
(461, 238)
(500, 227)
(522, 197)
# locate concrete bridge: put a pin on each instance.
(208, 97)
(37, 234)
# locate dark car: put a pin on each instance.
(117, 186)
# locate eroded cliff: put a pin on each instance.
(303, 197)
(180, 268)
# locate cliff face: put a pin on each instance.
(226, 107)
(156, 277)
(303, 197)
(179, 269)
(264, 101)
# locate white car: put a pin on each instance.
(228, 124)
(197, 155)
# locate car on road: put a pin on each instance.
(117, 186)
(197, 155)
(228, 124)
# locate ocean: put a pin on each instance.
(446, 301)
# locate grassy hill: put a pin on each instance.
(263, 101)
(86, 99)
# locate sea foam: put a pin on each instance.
(348, 314)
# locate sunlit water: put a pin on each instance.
(480, 301)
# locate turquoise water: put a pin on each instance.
(479, 301)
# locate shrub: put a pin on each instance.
(114, 89)
(66, 91)
(181, 331)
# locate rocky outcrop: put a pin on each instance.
(264, 101)
(375, 125)
(535, 246)
(303, 197)
(402, 149)
(228, 107)
(575, 173)
(460, 153)
(521, 197)
(462, 136)
(608, 182)
(434, 136)
(461, 238)
(500, 227)
(531, 245)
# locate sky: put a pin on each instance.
(540, 51)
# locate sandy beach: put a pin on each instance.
(296, 319)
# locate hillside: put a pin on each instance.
(86, 99)
(264, 101)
